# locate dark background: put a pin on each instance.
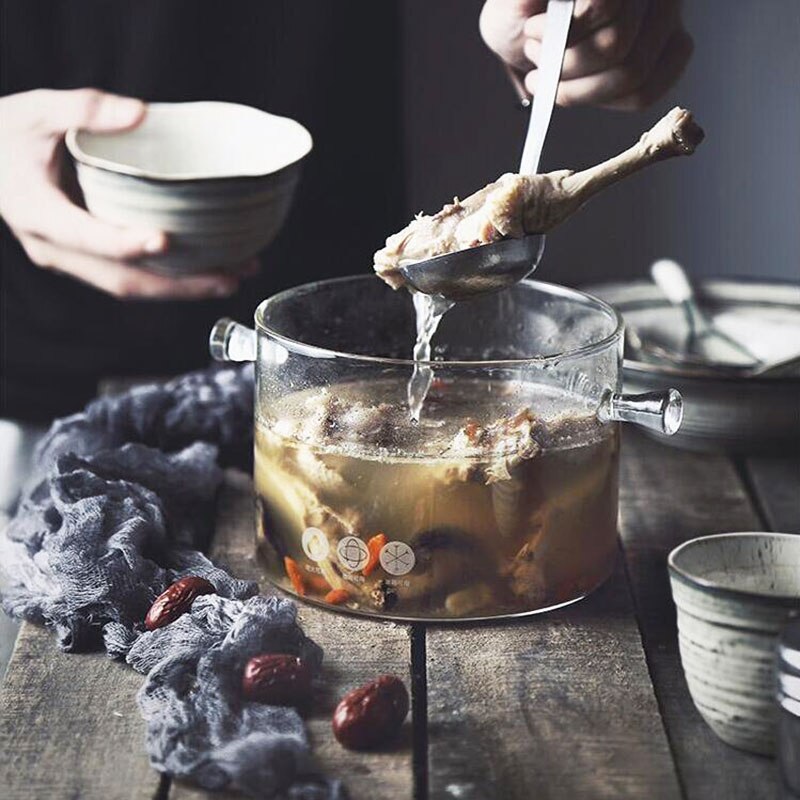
(731, 209)
(408, 108)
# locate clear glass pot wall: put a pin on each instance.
(500, 500)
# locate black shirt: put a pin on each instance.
(333, 66)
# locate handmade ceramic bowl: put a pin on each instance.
(218, 178)
(734, 592)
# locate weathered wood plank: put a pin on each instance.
(667, 497)
(69, 726)
(776, 481)
(558, 706)
(8, 627)
(17, 442)
(356, 650)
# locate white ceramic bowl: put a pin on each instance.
(734, 592)
(218, 178)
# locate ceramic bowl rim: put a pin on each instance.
(714, 588)
(692, 376)
(82, 157)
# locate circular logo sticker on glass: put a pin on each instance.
(353, 553)
(315, 544)
(397, 558)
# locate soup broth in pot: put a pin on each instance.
(493, 503)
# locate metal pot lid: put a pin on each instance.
(764, 315)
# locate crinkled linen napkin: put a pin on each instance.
(120, 505)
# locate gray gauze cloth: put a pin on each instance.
(120, 503)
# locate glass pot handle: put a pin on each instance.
(230, 341)
(658, 411)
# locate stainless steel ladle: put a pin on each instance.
(491, 267)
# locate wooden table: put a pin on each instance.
(587, 702)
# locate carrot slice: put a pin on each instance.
(295, 576)
(374, 545)
(337, 596)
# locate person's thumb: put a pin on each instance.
(92, 110)
(502, 24)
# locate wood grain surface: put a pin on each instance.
(69, 726)
(667, 497)
(776, 484)
(555, 706)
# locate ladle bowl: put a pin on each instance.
(478, 270)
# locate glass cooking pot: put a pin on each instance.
(501, 500)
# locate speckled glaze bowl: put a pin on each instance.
(218, 178)
(734, 592)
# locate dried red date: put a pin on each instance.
(277, 679)
(176, 601)
(371, 715)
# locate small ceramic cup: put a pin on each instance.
(734, 593)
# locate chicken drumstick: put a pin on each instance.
(516, 205)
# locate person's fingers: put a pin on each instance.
(500, 23)
(588, 17)
(60, 110)
(49, 214)
(603, 88)
(125, 281)
(673, 62)
(603, 48)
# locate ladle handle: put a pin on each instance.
(230, 341)
(658, 411)
(554, 43)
